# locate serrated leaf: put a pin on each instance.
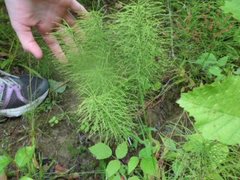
(149, 166)
(218, 153)
(122, 150)
(113, 167)
(134, 178)
(4, 162)
(232, 6)
(101, 151)
(216, 109)
(132, 164)
(24, 156)
(25, 178)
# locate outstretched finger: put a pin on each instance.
(27, 40)
(70, 20)
(78, 8)
(53, 44)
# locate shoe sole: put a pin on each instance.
(16, 112)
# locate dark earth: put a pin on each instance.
(66, 149)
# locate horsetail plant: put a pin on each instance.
(112, 66)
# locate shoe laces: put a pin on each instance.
(7, 80)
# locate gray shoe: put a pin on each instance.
(20, 94)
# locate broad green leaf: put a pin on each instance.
(24, 156)
(149, 166)
(122, 150)
(207, 59)
(117, 177)
(134, 178)
(25, 178)
(216, 109)
(232, 6)
(169, 144)
(4, 162)
(57, 87)
(223, 61)
(132, 164)
(113, 167)
(215, 70)
(101, 151)
(146, 152)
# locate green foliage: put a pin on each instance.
(132, 164)
(197, 158)
(101, 151)
(113, 167)
(215, 108)
(54, 121)
(57, 87)
(146, 161)
(133, 178)
(213, 66)
(232, 6)
(25, 178)
(113, 69)
(149, 166)
(22, 160)
(202, 27)
(4, 162)
(122, 150)
(24, 156)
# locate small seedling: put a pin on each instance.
(116, 168)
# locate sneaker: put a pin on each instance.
(20, 94)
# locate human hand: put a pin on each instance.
(44, 15)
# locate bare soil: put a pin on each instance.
(67, 148)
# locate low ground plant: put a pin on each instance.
(120, 60)
(113, 67)
(142, 165)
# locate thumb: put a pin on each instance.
(27, 40)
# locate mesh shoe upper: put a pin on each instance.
(19, 91)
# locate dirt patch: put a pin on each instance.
(60, 144)
(164, 111)
(14, 134)
(64, 145)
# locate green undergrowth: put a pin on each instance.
(201, 27)
(117, 62)
(113, 68)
